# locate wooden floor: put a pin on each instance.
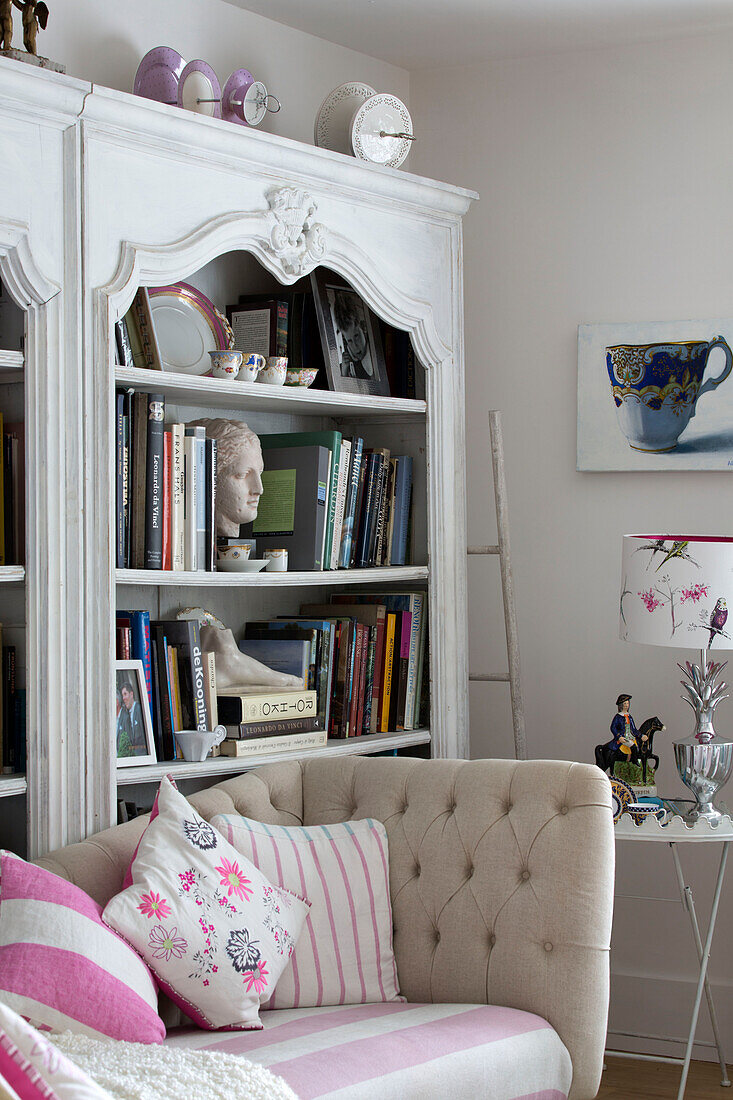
(631, 1080)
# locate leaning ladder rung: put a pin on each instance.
(490, 677)
(482, 550)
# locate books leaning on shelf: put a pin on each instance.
(333, 504)
(12, 493)
(165, 488)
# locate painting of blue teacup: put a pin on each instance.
(656, 388)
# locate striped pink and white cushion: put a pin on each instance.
(62, 968)
(398, 1050)
(344, 955)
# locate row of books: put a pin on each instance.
(12, 714)
(12, 493)
(348, 506)
(165, 488)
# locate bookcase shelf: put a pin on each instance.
(394, 574)
(11, 574)
(11, 366)
(12, 785)
(223, 765)
(215, 393)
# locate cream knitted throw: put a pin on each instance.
(138, 1071)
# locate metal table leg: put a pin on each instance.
(704, 958)
(686, 896)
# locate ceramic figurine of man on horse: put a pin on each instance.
(629, 745)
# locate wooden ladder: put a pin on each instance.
(512, 677)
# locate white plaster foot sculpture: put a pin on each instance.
(238, 674)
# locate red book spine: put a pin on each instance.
(354, 703)
(378, 670)
(167, 476)
(363, 661)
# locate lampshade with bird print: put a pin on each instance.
(676, 591)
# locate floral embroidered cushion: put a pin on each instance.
(214, 930)
(62, 967)
(345, 955)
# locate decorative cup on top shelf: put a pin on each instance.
(252, 365)
(234, 552)
(197, 744)
(275, 370)
(303, 376)
(277, 561)
(225, 364)
(656, 388)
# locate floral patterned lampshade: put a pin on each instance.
(676, 590)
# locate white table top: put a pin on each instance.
(674, 830)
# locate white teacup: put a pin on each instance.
(225, 364)
(277, 561)
(237, 552)
(275, 370)
(197, 744)
(252, 366)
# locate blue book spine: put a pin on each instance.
(140, 629)
(347, 534)
(403, 492)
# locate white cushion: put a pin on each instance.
(345, 954)
(213, 929)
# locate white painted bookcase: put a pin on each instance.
(154, 195)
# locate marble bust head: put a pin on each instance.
(239, 468)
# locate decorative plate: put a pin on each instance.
(621, 796)
(373, 122)
(243, 565)
(199, 90)
(332, 129)
(188, 327)
(158, 75)
(233, 97)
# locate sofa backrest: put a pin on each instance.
(501, 875)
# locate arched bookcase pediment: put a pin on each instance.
(20, 273)
(288, 252)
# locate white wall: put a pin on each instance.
(103, 41)
(606, 183)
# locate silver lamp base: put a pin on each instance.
(705, 768)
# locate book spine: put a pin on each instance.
(417, 637)
(140, 630)
(366, 726)
(3, 560)
(332, 493)
(234, 709)
(363, 662)
(8, 707)
(189, 463)
(124, 349)
(403, 666)
(165, 686)
(339, 697)
(366, 518)
(292, 742)
(120, 481)
(350, 509)
(380, 506)
(281, 334)
(167, 467)
(389, 516)
(403, 492)
(154, 482)
(178, 498)
(146, 330)
(245, 731)
(156, 715)
(126, 471)
(378, 669)
(355, 679)
(209, 660)
(198, 677)
(343, 478)
(138, 479)
(389, 642)
(199, 501)
(210, 484)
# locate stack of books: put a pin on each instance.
(278, 722)
(12, 714)
(12, 493)
(332, 503)
(165, 488)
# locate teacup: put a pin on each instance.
(275, 370)
(252, 365)
(197, 744)
(656, 388)
(234, 552)
(277, 561)
(225, 364)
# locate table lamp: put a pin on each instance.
(676, 591)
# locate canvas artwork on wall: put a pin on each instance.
(655, 396)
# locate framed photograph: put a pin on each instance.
(655, 395)
(133, 724)
(352, 345)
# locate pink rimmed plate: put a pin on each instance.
(188, 327)
(199, 90)
(158, 75)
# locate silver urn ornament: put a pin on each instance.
(705, 759)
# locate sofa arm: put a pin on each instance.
(501, 874)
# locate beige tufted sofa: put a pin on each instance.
(501, 876)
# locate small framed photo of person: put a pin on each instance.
(352, 345)
(133, 725)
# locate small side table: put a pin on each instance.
(673, 833)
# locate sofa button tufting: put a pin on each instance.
(417, 869)
(548, 947)
(469, 871)
(508, 807)
(437, 936)
(563, 809)
(525, 875)
(492, 940)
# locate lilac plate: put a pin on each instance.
(235, 89)
(199, 89)
(158, 75)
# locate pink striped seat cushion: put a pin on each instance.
(404, 1051)
(62, 968)
(344, 955)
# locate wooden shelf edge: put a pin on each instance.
(390, 574)
(218, 393)
(228, 765)
(10, 574)
(11, 785)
